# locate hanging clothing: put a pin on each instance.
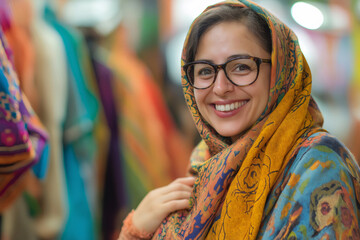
(24, 60)
(79, 144)
(50, 77)
(19, 214)
(147, 151)
(18, 224)
(354, 89)
(114, 196)
(23, 141)
(285, 177)
(153, 150)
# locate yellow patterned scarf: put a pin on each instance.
(233, 184)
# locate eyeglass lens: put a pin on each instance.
(242, 72)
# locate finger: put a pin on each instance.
(184, 184)
(186, 180)
(176, 195)
(175, 186)
(176, 205)
(178, 188)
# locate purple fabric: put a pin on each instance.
(17, 123)
(114, 198)
(5, 24)
(5, 14)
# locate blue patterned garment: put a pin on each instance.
(317, 196)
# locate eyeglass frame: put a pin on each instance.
(218, 67)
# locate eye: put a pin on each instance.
(204, 71)
(241, 68)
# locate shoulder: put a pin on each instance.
(324, 142)
(322, 154)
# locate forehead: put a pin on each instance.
(228, 38)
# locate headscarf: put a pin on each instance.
(233, 184)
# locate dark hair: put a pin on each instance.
(228, 13)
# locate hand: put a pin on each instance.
(160, 202)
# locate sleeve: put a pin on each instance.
(317, 199)
(130, 232)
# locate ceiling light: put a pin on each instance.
(307, 15)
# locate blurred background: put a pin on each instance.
(103, 76)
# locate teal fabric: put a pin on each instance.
(79, 141)
(41, 167)
(80, 223)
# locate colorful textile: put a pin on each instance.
(23, 53)
(5, 15)
(153, 152)
(356, 48)
(354, 87)
(284, 177)
(114, 197)
(23, 137)
(317, 196)
(78, 138)
(151, 145)
(51, 83)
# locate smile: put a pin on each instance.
(230, 107)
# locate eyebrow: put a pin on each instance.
(237, 55)
(228, 58)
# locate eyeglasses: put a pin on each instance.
(242, 70)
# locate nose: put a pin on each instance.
(222, 85)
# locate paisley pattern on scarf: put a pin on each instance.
(231, 197)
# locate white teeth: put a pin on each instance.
(229, 107)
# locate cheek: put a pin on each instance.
(266, 92)
(265, 100)
(259, 90)
(260, 95)
(200, 97)
(264, 89)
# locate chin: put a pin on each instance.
(228, 133)
(231, 132)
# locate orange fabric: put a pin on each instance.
(24, 61)
(161, 151)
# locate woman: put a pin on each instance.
(265, 168)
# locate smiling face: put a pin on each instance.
(229, 109)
